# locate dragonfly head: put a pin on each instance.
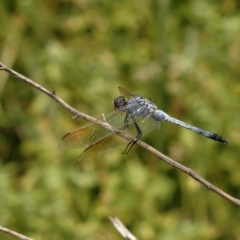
(119, 103)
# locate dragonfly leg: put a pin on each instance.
(131, 144)
(126, 121)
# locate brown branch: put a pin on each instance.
(15, 234)
(78, 114)
(120, 227)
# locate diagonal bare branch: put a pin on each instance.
(125, 233)
(14, 234)
(103, 124)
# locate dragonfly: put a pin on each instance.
(133, 114)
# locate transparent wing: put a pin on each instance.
(91, 133)
(107, 143)
(112, 141)
(153, 124)
(126, 93)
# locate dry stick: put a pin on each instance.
(78, 114)
(15, 234)
(125, 233)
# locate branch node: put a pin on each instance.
(53, 92)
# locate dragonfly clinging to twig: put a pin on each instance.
(131, 113)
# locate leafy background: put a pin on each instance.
(184, 54)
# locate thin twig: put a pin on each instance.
(126, 234)
(104, 124)
(15, 234)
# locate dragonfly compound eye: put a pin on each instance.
(119, 102)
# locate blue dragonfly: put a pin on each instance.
(132, 113)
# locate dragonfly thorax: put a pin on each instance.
(140, 107)
(136, 106)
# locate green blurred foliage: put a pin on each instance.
(184, 54)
